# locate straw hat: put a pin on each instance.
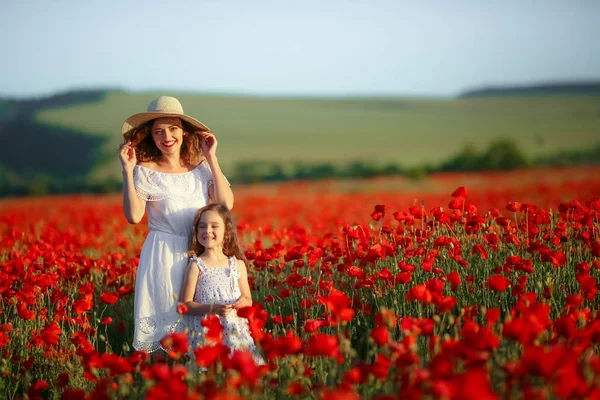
(161, 107)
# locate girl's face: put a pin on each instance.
(167, 134)
(211, 230)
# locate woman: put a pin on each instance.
(170, 170)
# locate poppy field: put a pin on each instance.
(461, 286)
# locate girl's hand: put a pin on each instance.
(222, 309)
(128, 157)
(209, 143)
(242, 302)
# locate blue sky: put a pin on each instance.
(326, 47)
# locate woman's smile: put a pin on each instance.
(169, 143)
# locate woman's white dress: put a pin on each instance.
(172, 201)
(219, 285)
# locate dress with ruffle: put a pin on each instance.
(172, 201)
(219, 285)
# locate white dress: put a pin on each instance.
(172, 201)
(219, 285)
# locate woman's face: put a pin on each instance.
(168, 135)
(211, 230)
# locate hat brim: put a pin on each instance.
(138, 119)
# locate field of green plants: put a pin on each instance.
(407, 132)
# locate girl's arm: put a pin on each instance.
(245, 299)
(188, 288)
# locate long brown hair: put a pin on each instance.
(231, 244)
(146, 150)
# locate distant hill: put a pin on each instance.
(29, 147)
(550, 89)
(70, 140)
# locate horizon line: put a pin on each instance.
(373, 95)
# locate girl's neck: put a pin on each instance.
(214, 254)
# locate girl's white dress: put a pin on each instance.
(219, 285)
(172, 201)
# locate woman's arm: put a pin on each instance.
(219, 191)
(133, 207)
(245, 299)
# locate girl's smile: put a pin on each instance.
(211, 229)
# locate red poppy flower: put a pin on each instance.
(83, 304)
(51, 333)
(182, 308)
(457, 203)
(73, 394)
(339, 304)
(513, 206)
(108, 298)
(596, 249)
(321, 344)
(498, 283)
(24, 312)
(295, 388)
(492, 315)
(214, 331)
(378, 213)
(380, 335)
(479, 249)
(454, 280)
(461, 191)
(62, 380)
(208, 355)
(176, 344)
(243, 362)
(419, 293)
(446, 304)
(380, 369)
(117, 365)
(311, 325)
(306, 303)
(4, 339)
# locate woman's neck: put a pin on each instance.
(171, 161)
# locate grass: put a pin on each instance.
(409, 132)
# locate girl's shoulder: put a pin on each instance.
(235, 264)
(196, 260)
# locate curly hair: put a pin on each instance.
(231, 244)
(146, 150)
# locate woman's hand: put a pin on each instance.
(208, 142)
(128, 157)
(221, 309)
(243, 301)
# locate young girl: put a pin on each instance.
(216, 279)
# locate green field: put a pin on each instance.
(407, 132)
